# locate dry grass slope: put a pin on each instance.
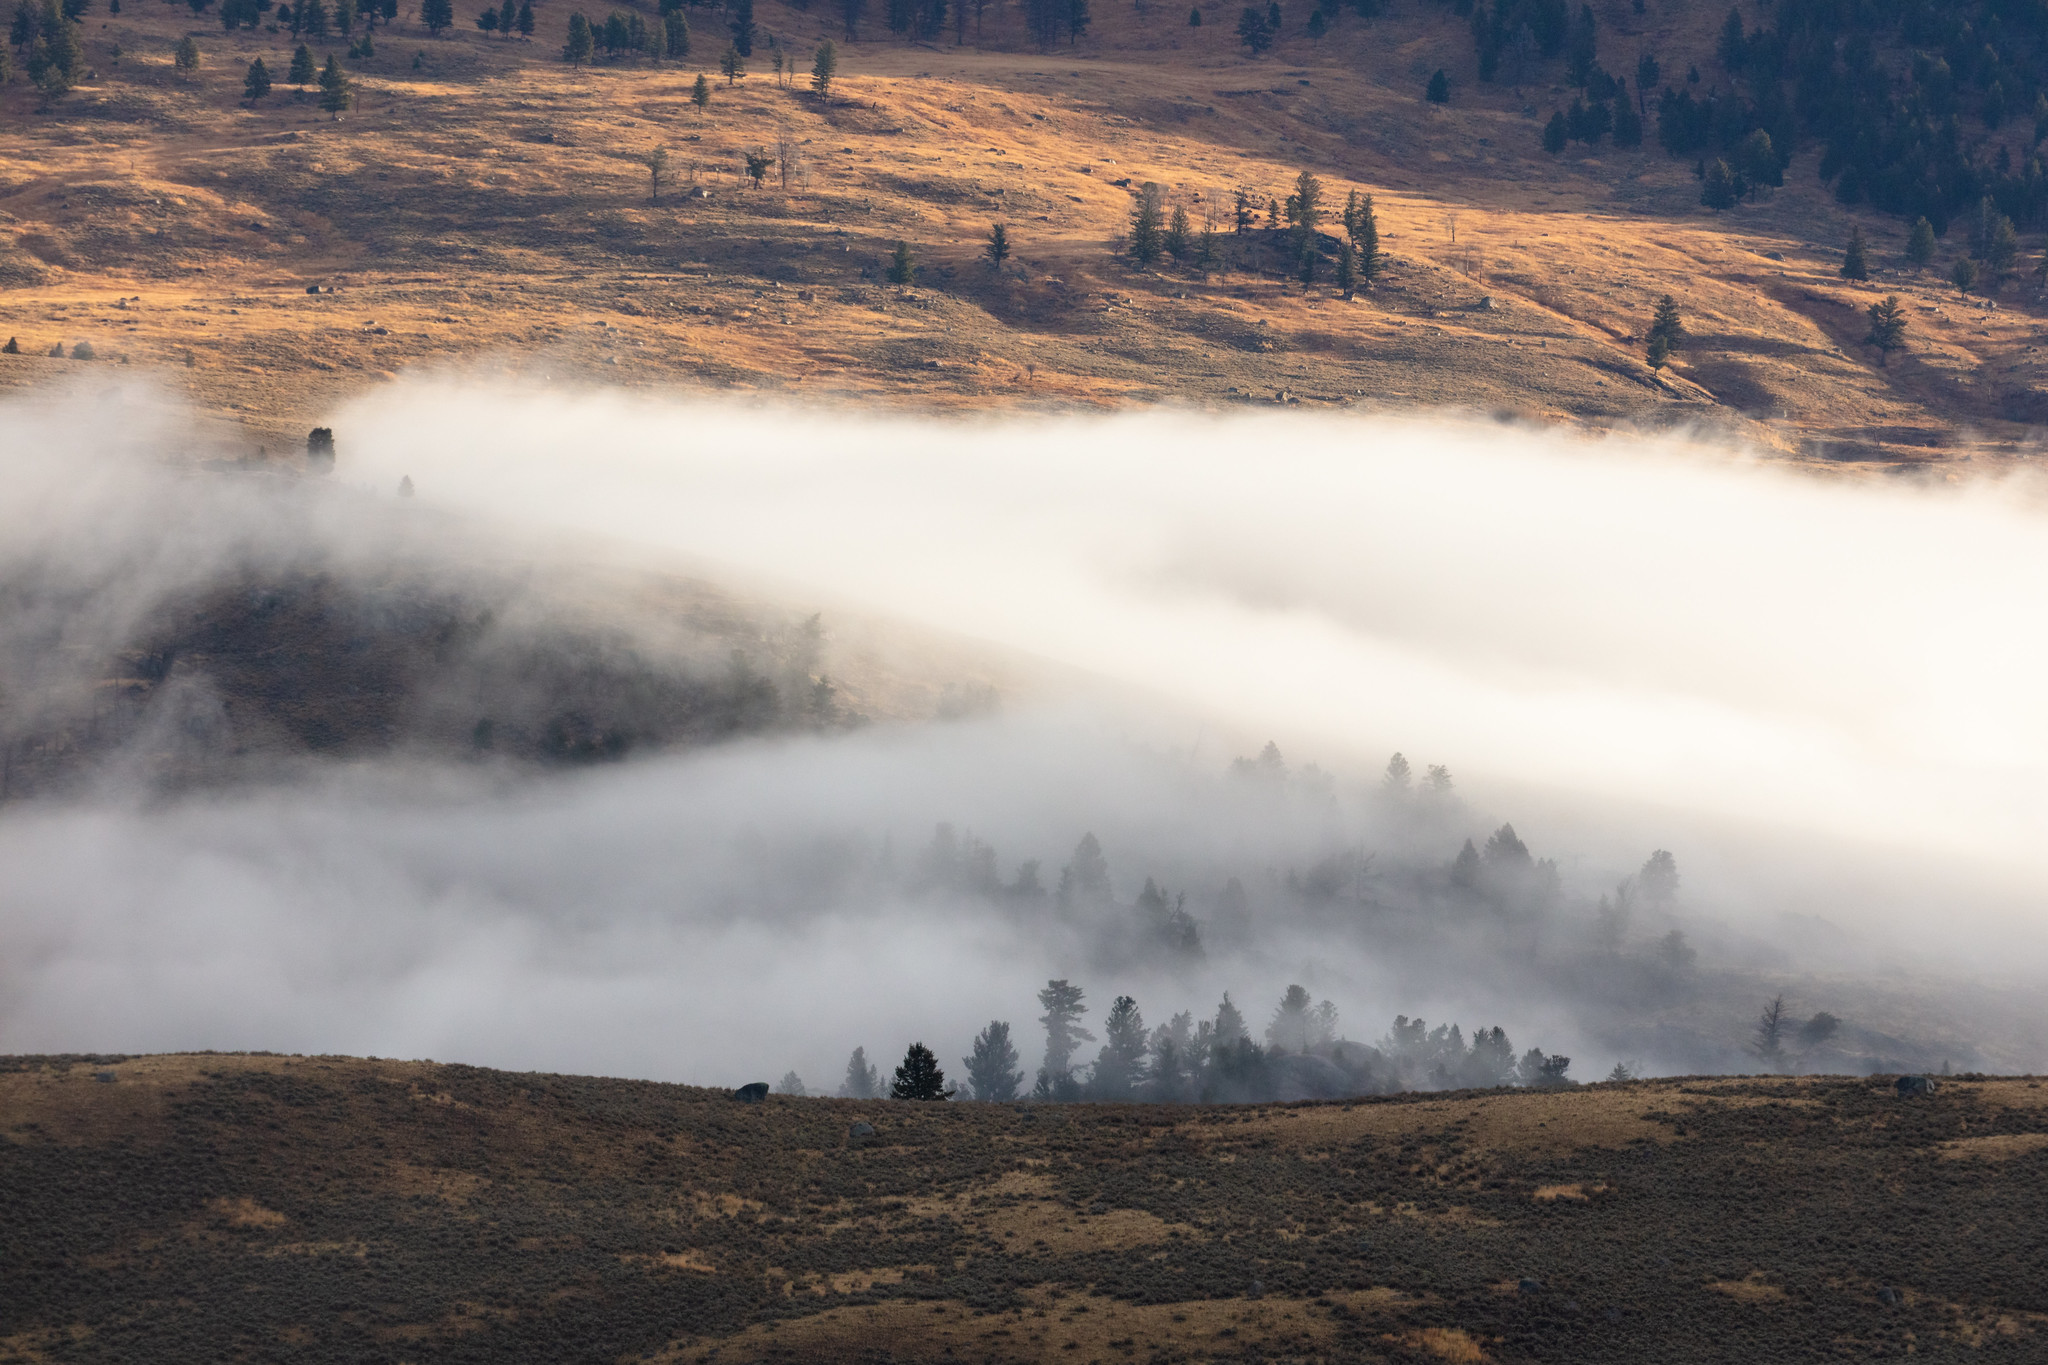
(318, 1208)
(484, 208)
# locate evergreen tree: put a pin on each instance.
(1439, 88)
(526, 19)
(581, 41)
(824, 66)
(992, 1069)
(1667, 327)
(186, 55)
(656, 162)
(1556, 133)
(1719, 190)
(337, 91)
(1658, 879)
(919, 1078)
(998, 248)
(1195, 18)
(256, 84)
(1179, 237)
(790, 1084)
(13, 346)
(902, 265)
(1855, 266)
(1887, 328)
(1147, 235)
(850, 12)
(1733, 49)
(1628, 123)
(508, 17)
(1365, 235)
(700, 93)
(731, 65)
(1964, 275)
(302, 72)
(1120, 1066)
(743, 27)
(310, 18)
(1397, 776)
(1767, 1040)
(1289, 1029)
(1920, 244)
(1254, 32)
(1347, 269)
(2002, 252)
(1305, 208)
(437, 15)
(675, 35)
(1230, 1029)
(863, 1081)
(1062, 1020)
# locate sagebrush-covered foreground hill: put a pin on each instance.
(485, 205)
(258, 1208)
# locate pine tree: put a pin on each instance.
(824, 66)
(675, 35)
(302, 72)
(526, 18)
(337, 91)
(1062, 1020)
(742, 27)
(256, 84)
(508, 17)
(731, 65)
(1439, 90)
(700, 93)
(1120, 1066)
(1964, 275)
(1767, 1042)
(992, 1069)
(186, 55)
(919, 1078)
(1556, 133)
(437, 15)
(1147, 235)
(2002, 252)
(581, 43)
(998, 248)
(863, 1081)
(656, 162)
(1719, 191)
(1179, 237)
(1347, 269)
(1920, 244)
(1289, 1029)
(1365, 235)
(1230, 1028)
(1667, 331)
(1254, 32)
(1854, 264)
(902, 265)
(1887, 328)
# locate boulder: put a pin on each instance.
(860, 1131)
(752, 1094)
(1530, 1287)
(1915, 1085)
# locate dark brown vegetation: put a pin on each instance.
(262, 1208)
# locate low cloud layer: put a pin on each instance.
(1821, 695)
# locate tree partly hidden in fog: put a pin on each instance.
(1062, 1002)
(863, 1079)
(790, 1084)
(992, 1073)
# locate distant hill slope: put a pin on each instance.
(189, 1208)
(486, 205)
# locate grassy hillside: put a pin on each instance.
(260, 1208)
(483, 207)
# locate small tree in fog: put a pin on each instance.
(1658, 881)
(1767, 1039)
(863, 1080)
(1819, 1030)
(1062, 1003)
(1675, 953)
(1288, 1031)
(992, 1068)
(1438, 780)
(1229, 1024)
(790, 1084)
(919, 1078)
(1120, 1066)
(1397, 777)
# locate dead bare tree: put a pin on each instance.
(785, 153)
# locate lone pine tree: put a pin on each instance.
(997, 251)
(919, 1078)
(824, 66)
(902, 265)
(1855, 261)
(1887, 328)
(1667, 331)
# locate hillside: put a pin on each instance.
(484, 208)
(217, 1207)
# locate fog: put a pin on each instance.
(1820, 693)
